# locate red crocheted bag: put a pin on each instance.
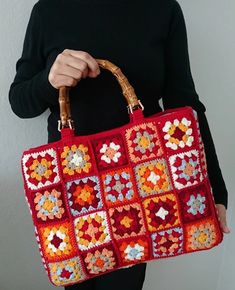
(124, 196)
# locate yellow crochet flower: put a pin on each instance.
(75, 159)
(126, 221)
(40, 169)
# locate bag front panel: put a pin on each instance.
(113, 199)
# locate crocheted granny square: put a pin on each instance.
(84, 195)
(134, 249)
(67, 271)
(76, 160)
(143, 142)
(40, 169)
(195, 203)
(161, 212)
(118, 186)
(185, 168)
(127, 220)
(49, 205)
(109, 152)
(57, 241)
(152, 177)
(91, 230)
(168, 242)
(201, 235)
(178, 133)
(101, 259)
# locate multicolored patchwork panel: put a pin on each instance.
(110, 200)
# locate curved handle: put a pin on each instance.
(127, 90)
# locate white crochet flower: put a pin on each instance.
(178, 129)
(110, 152)
(134, 253)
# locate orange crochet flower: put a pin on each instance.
(84, 194)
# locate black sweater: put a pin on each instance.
(146, 39)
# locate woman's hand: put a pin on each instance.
(221, 211)
(71, 66)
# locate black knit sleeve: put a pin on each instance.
(31, 93)
(180, 91)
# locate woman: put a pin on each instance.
(147, 41)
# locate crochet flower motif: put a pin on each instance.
(188, 168)
(100, 261)
(67, 271)
(127, 220)
(201, 235)
(178, 133)
(49, 205)
(75, 159)
(84, 195)
(185, 168)
(152, 177)
(91, 230)
(143, 142)
(194, 203)
(134, 250)
(118, 186)
(161, 212)
(110, 152)
(40, 169)
(56, 241)
(168, 242)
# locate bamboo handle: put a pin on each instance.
(127, 90)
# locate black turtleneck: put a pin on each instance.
(146, 39)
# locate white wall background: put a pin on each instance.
(210, 26)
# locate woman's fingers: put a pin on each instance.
(67, 60)
(84, 59)
(69, 71)
(221, 212)
(63, 80)
(71, 66)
